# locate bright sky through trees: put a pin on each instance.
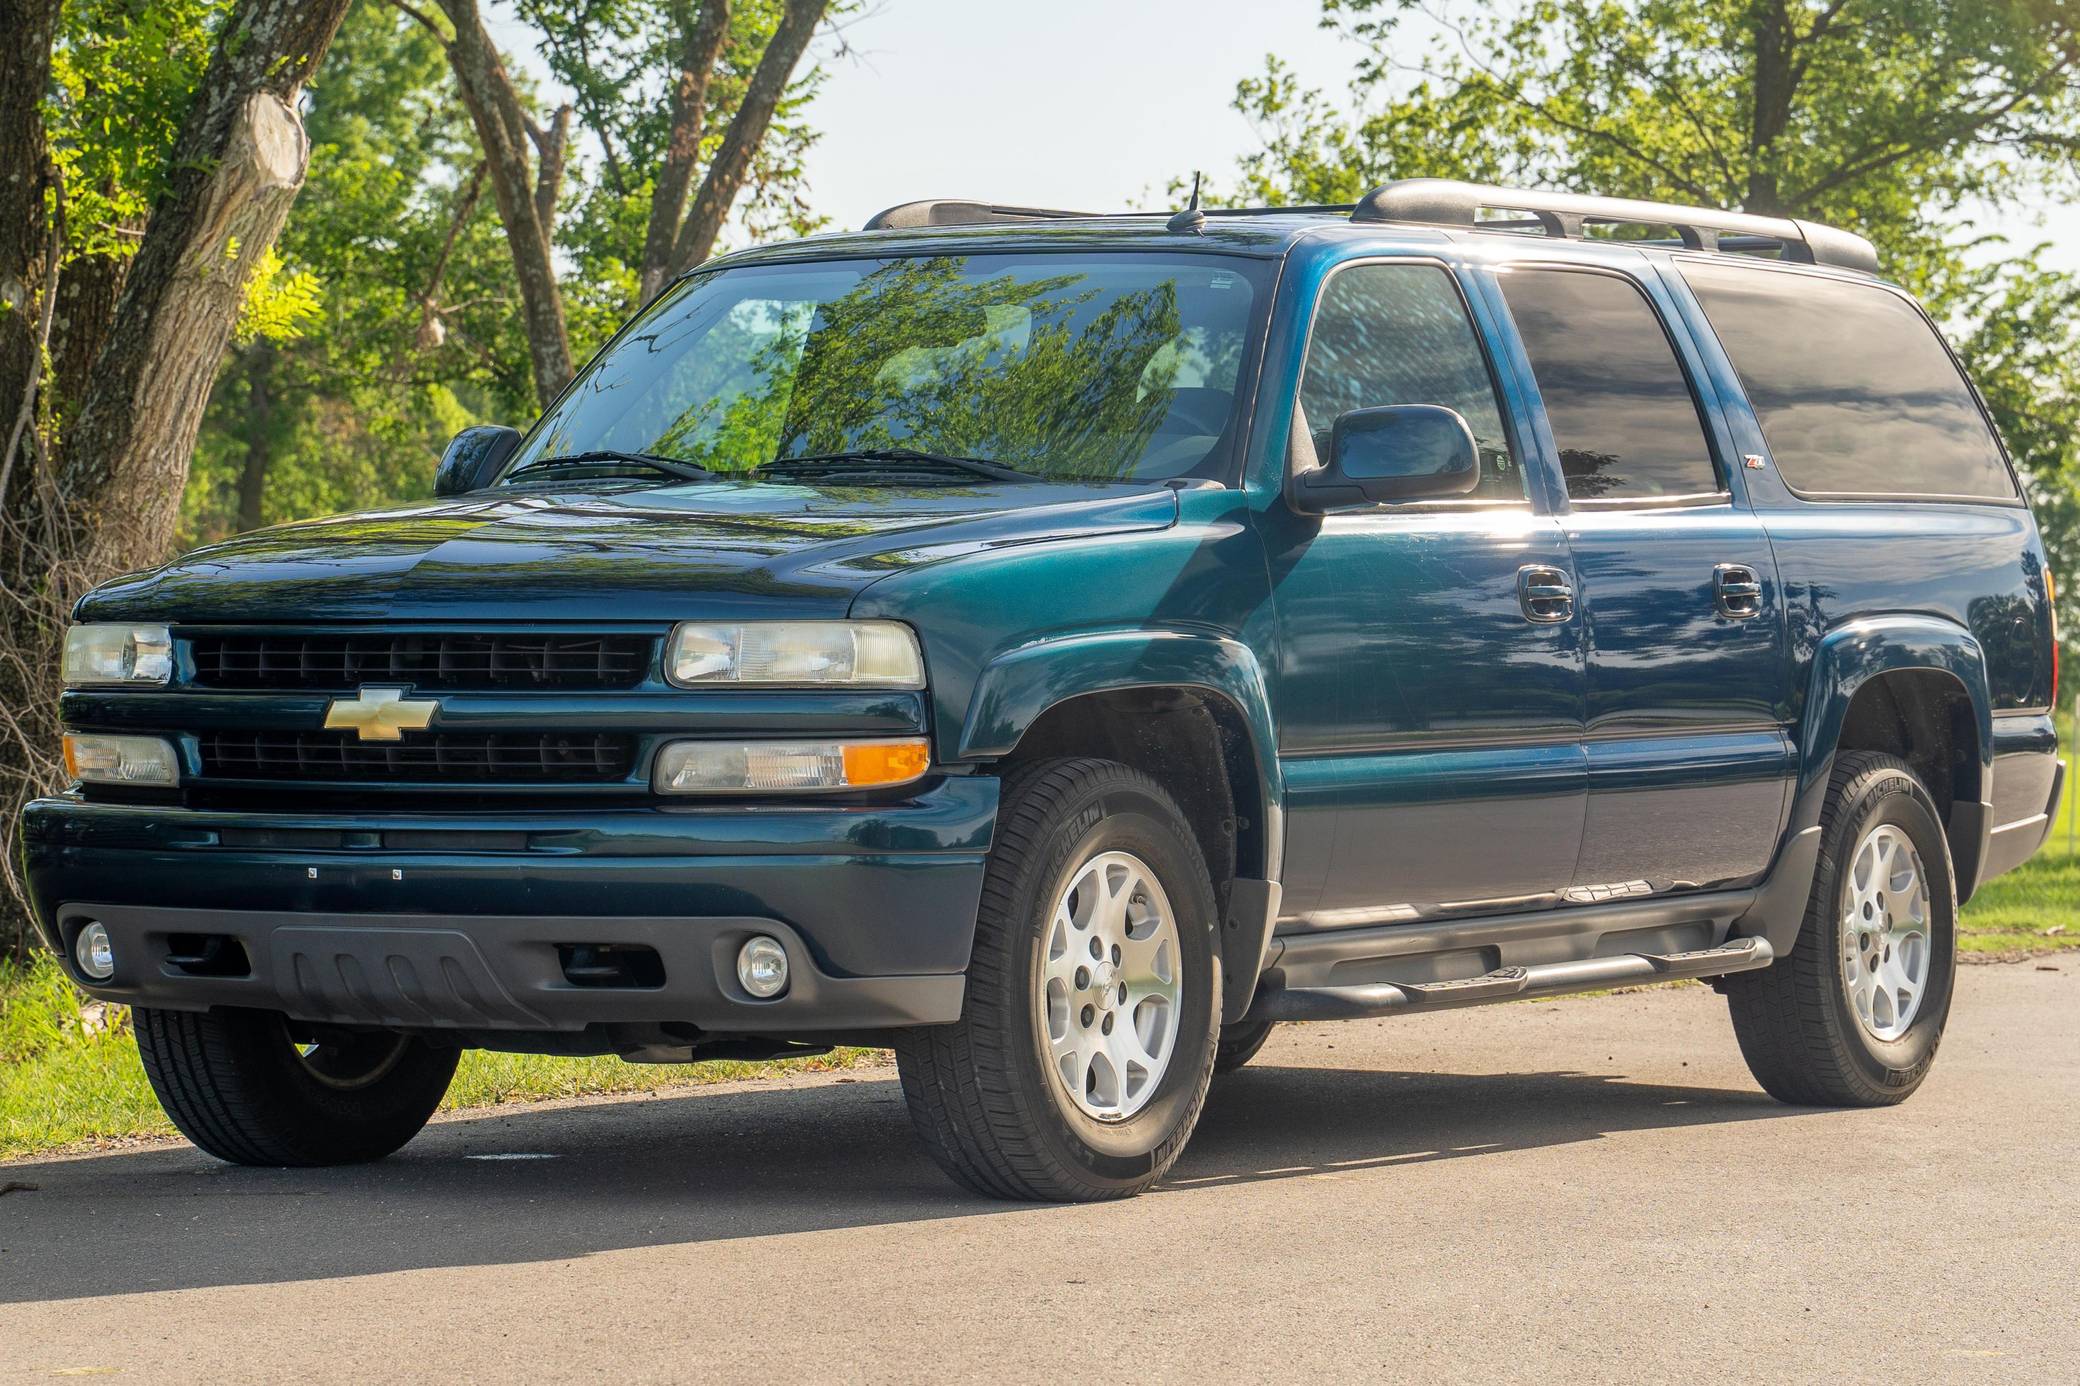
(1087, 104)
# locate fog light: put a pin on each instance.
(95, 951)
(762, 967)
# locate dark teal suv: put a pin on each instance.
(1063, 647)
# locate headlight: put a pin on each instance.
(121, 759)
(100, 656)
(795, 654)
(763, 767)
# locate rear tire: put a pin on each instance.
(1239, 1044)
(238, 1086)
(1032, 1093)
(1851, 1017)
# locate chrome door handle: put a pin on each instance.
(1545, 594)
(1737, 591)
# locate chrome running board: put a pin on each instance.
(1356, 1002)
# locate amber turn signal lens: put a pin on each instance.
(781, 767)
(885, 762)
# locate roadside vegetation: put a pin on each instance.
(2036, 907)
(70, 1076)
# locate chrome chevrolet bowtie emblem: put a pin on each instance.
(380, 714)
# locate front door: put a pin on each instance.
(1430, 676)
(1689, 760)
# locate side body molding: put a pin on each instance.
(1018, 687)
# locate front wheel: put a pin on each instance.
(1081, 1059)
(1853, 1015)
(245, 1087)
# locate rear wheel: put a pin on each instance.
(1853, 1015)
(1080, 1063)
(247, 1088)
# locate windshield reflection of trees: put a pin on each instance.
(1051, 374)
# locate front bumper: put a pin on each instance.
(454, 921)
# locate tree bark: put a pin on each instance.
(526, 201)
(259, 426)
(26, 177)
(747, 131)
(1773, 93)
(703, 49)
(122, 459)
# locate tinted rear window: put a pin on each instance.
(1855, 392)
(1619, 405)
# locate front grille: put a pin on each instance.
(457, 757)
(433, 662)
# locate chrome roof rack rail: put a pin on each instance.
(1447, 202)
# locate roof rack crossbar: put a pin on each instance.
(1448, 202)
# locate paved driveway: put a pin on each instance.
(1587, 1189)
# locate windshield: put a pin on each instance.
(1085, 367)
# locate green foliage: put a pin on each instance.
(122, 76)
(352, 406)
(392, 318)
(280, 302)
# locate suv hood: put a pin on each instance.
(623, 553)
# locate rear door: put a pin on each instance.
(1430, 700)
(1689, 755)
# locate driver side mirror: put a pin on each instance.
(473, 458)
(1399, 452)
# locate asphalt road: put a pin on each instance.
(1588, 1189)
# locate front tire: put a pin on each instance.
(1081, 1060)
(1853, 1015)
(241, 1087)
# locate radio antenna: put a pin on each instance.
(1191, 219)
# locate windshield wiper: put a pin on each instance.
(670, 466)
(894, 459)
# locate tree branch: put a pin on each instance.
(424, 19)
(704, 42)
(725, 176)
(1876, 156)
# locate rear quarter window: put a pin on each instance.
(1855, 392)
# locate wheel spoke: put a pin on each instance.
(1150, 959)
(1885, 931)
(1113, 904)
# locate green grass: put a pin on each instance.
(2036, 907)
(70, 1078)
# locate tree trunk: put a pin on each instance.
(526, 204)
(725, 177)
(1773, 93)
(25, 237)
(123, 458)
(704, 41)
(259, 426)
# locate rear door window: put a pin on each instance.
(1623, 418)
(1854, 390)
